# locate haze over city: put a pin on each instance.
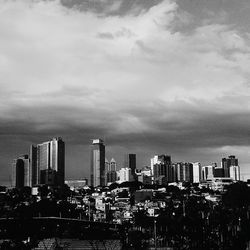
(149, 77)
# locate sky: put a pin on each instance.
(148, 76)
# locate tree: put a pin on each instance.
(237, 195)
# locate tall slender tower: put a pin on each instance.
(130, 162)
(97, 164)
(33, 165)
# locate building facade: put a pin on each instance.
(197, 173)
(234, 172)
(130, 162)
(161, 168)
(208, 172)
(47, 161)
(183, 172)
(226, 163)
(125, 174)
(21, 172)
(97, 165)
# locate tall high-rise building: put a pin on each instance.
(226, 163)
(208, 172)
(107, 165)
(183, 172)
(112, 165)
(225, 167)
(110, 171)
(21, 172)
(48, 162)
(130, 162)
(197, 173)
(33, 166)
(161, 167)
(97, 164)
(234, 172)
(111, 177)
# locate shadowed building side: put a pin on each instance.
(21, 173)
(130, 162)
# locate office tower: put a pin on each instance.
(48, 162)
(112, 165)
(97, 165)
(130, 162)
(111, 175)
(226, 163)
(232, 160)
(224, 166)
(183, 172)
(33, 166)
(107, 165)
(161, 167)
(207, 172)
(21, 172)
(234, 172)
(174, 172)
(197, 173)
(107, 169)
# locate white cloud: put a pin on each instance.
(48, 46)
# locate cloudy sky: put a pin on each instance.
(148, 76)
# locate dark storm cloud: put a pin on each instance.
(200, 12)
(191, 126)
(111, 7)
(174, 124)
(166, 127)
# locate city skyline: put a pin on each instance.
(149, 77)
(46, 165)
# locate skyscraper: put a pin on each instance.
(48, 162)
(226, 163)
(234, 173)
(207, 172)
(130, 162)
(21, 172)
(183, 172)
(197, 172)
(161, 167)
(110, 171)
(33, 166)
(112, 165)
(97, 164)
